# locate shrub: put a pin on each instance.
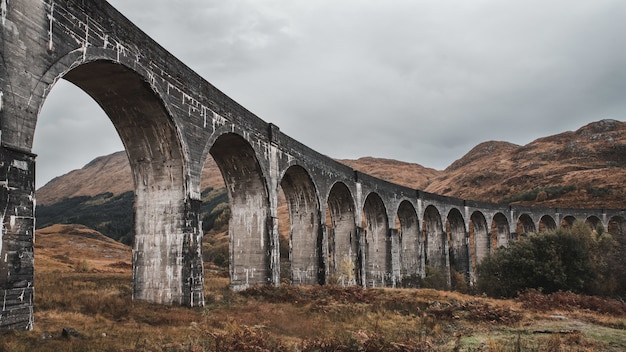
(552, 261)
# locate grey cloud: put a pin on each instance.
(420, 81)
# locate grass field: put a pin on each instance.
(83, 303)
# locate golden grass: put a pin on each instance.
(97, 304)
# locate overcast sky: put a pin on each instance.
(418, 81)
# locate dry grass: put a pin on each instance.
(96, 303)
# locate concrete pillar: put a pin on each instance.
(17, 187)
(167, 257)
(396, 260)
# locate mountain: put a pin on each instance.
(585, 168)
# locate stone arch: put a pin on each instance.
(479, 233)
(250, 227)
(305, 227)
(409, 239)
(458, 251)
(525, 225)
(567, 222)
(500, 230)
(377, 242)
(434, 239)
(343, 243)
(547, 223)
(156, 154)
(593, 221)
(617, 227)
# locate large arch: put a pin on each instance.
(458, 240)
(250, 226)
(166, 219)
(409, 240)
(305, 227)
(377, 256)
(500, 230)
(343, 244)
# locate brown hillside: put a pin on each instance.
(110, 173)
(402, 173)
(584, 168)
(589, 162)
(79, 248)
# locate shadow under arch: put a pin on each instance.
(166, 223)
(250, 226)
(343, 242)
(305, 254)
(377, 243)
(479, 234)
(501, 229)
(408, 236)
(525, 225)
(458, 243)
(593, 222)
(434, 239)
(547, 223)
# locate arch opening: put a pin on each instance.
(458, 244)
(377, 243)
(547, 223)
(305, 236)
(434, 239)
(593, 222)
(166, 225)
(343, 243)
(525, 225)
(500, 230)
(407, 225)
(250, 224)
(567, 222)
(479, 235)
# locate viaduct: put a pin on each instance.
(345, 225)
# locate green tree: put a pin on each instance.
(558, 260)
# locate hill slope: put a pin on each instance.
(583, 168)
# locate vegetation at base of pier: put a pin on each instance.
(578, 260)
(83, 286)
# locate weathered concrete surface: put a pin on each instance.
(346, 227)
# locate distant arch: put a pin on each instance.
(547, 223)
(525, 225)
(305, 235)
(593, 222)
(377, 256)
(435, 241)
(500, 230)
(409, 239)
(480, 235)
(617, 227)
(458, 251)
(343, 244)
(567, 222)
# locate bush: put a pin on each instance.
(559, 260)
